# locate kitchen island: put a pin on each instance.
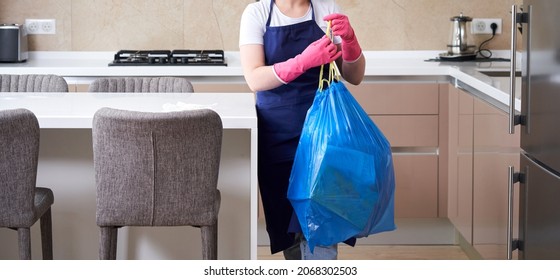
(66, 166)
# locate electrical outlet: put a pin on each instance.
(482, 25)
(40, 26)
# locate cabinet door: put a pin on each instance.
(494, 150)
(416, 192)
(460, 162)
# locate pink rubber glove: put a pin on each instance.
(340, 26)
(316, 54)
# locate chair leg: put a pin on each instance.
(24, 243)
(210, 242)
(46, 235)
(108, 243)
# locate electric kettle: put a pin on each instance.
(458, 46)
(458, 43)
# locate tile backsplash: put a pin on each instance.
(109, 25)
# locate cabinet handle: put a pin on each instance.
(511, 243)
(513, 67)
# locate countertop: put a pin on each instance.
(85, 66)
(237, 110)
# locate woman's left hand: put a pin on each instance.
(340, 26)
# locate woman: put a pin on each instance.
(282, 44)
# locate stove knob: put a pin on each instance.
(184, 60)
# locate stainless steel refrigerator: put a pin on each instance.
(539, 176)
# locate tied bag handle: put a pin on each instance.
(334, 73)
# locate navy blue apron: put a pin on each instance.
(281, 113)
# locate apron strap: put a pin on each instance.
(270, 13)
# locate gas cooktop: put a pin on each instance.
(169, 58)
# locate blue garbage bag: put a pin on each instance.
(342, 183)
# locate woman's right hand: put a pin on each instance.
(320, 52)
(316, 54)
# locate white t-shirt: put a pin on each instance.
(253, 20)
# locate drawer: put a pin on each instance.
(397, 98)
(409, 130)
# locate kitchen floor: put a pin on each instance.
(385, 252)
(435, 238)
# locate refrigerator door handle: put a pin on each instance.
(513, 118)
(512, 244)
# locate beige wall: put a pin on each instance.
(109, 25)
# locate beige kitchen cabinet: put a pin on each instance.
(494, 149)
(78, 87)
(480, 151)
(221, 87)
(416, 184)
(460, 163)
(408, 115)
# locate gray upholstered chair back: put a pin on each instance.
(21, 203)
(19, 153)
(32, 83)
(141, 84)
(156, 169)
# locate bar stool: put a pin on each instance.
(32, 83)
(157, 169)
(141, 84)
(21, 202)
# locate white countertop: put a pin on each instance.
(71, 110)
(92, 64)
(83, 65)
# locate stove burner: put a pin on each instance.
(135, 58)
(169, 58)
